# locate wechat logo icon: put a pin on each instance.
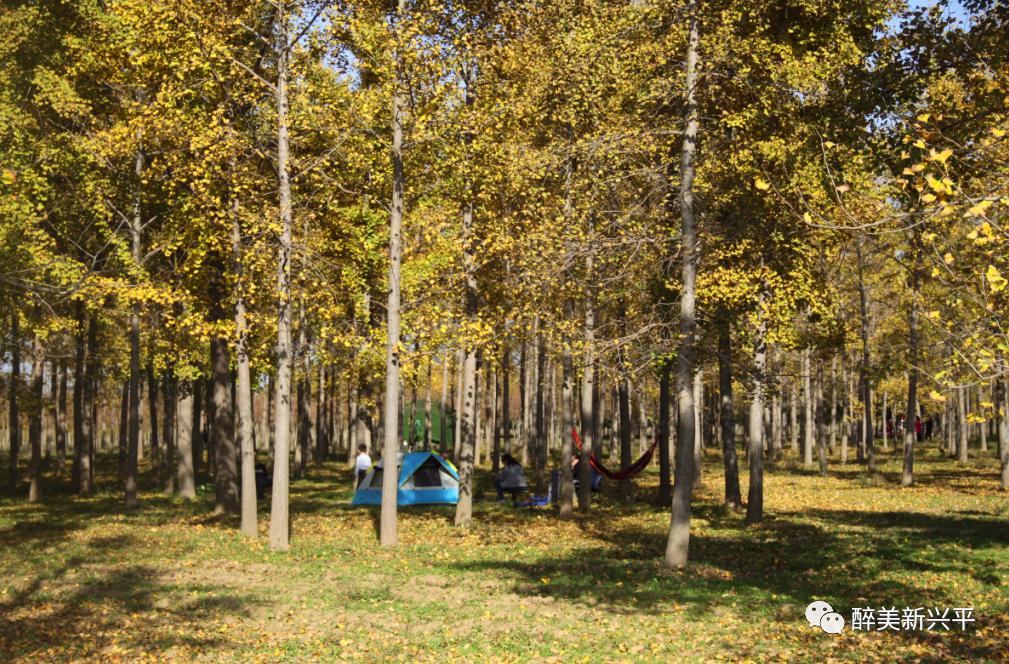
(820, 614)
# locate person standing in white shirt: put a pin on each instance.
(363, 463)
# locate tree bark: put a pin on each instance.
(186, 404)
(961, 447)
(457, 435)
(678, 545)
(505, 399)
(541, 429)
(280, 502)
(833, 404)
(168, 399)
(733, 497)
(624, 405)
(793, 415)
(35, 424)
(698, 426)
(755, 495)
(427, 410)
(152, 404)
(869, 443)
(133, 453)
(567, 421)
(443, 409)
(821, 438)
(223, 430)
(910, 432)
(1003, 433)
(87, 405)
(807, 402)
(665, 487)
(14, 421)
(61, 421)
(249, 525)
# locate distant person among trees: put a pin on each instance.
(363, 463)
(510, 479)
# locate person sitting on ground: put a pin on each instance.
(595, 477)
(363, 463)
(510, 479)
(263, 481)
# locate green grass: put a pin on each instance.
(85, 581)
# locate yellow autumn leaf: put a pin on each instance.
(935, 396)
(928, 198)
(948, 258)
(761, 185)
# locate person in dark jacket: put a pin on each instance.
(510, 479)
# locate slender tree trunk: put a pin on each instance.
(910, 430)
(443, 409)
(793, 415)
(389, 535)
(427, 410)
(15, 388)
(886, 439)
(280, 503)
(505, 399)
(198, 426)
(526, 373)
(459, 390)
(168, 398)
(61, 421)
(833, 404)
(984, 424)
(87, 406)
(320, 418)
(495, 402)
(567, 421)
(133, 452)
(124, 429)
(623, 398)
(80, 357)
(223, 430)
(271, 429)
(698, 426)
(733, 497)
(678, 545)
(152, 404)
(186, 404)
(249, 526)
(821, 438)
(845, 412)
(35, 425)
(807, 402)
(665, 437)
(541, 428)
(589, 388)
(1003, 432)
(962, 428)
(755, 496)
(870, 452)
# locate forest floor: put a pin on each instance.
(83, 581)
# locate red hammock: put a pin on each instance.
(627, 473)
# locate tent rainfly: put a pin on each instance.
(425, 478)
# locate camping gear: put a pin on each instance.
(424, 478)
(627, 473)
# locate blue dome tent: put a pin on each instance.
(425, 478)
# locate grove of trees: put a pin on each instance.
(287, 228)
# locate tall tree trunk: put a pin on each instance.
(733, 497)
(665, 437)
(1003, 431)
(61, 421)
(198, 426)
(567, 421)
(910, 429)
(886, 438)
(223, 430)
(698, 425)
(821, 438)
(35, 426)
(427, 410)
(526, 373)
(15, 388)
(505, 399)
(186, 405)
(271, 430)
(249, 526)
(152, 404)
(389, 535)
(133, 453)
(124, 429)
(807, 402)
(320, 418)
(869, 443)
(833, 404)
(280, 502)
(588, 412)
(459, 401)
(87, 406)
(623, 401)
(168, 399)
(984, 424)
(443, 409)
(495, 399)
(962, 430)
(755, 495)
(678, 545)
(793, 415)
(541, 429)
(845, 411)
(80, 357)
